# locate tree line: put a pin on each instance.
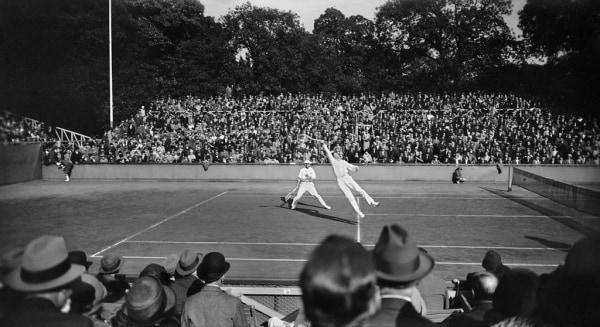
(54, 54)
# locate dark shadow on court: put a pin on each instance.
(318, 214)
(557, 216)
(551, 244)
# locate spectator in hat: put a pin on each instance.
(492, 262)
(45, 276)
(483, 286)
(157, 271)
(212, 306)
(184, 276)
(79, 257)
(148, 303)
(115, 283)
(399, 265)
(338, 284)
(87, 299)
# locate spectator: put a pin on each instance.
(170, 264)
(483, 285)
(115, 283)
(492, 262)
(457, 176)
(158, 272)
(184, 277)
(515, 296)
(45, 275)
(399, 265)
(87, 299)
(9, 298)
(338, 284)
(569, 295)
(148, 303)
(212, 306)
(79, 257)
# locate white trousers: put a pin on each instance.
(310, 188)
(347, 184)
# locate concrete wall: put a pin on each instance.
(20, 162)
(273, 172)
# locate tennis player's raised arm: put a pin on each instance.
(327, 152)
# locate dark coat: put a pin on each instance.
(39, 312)
(397, 312)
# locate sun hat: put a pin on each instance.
(79, 258)
(171, 263)
(110, 264)
(213, 267)
(87, 294)
(397, 258)
(188, 262)
(44, 266)
(147, 300)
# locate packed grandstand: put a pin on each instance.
(465, 128)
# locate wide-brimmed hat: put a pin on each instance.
(188, 262)
(45, 265)
(307, 162)
(110, 263)
(213, 267)
(148, 300)
(397, 258)
(87, 295)
(79, 258)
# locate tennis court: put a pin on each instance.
(145, 221)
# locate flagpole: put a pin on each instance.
(110, 70)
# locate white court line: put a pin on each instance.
(459, 215)
(366, 245)
(95, 255)
(444, 263)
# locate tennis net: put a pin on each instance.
(580, 198)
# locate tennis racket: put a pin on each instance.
(305, 138)
(289, 195)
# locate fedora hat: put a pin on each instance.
(397, 258)
(110, 264)
(188, 262)
(171, 263)
(79, 258)
(213, 267)
(45, 265)
(148, 300)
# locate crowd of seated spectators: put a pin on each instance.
(17, 129)
(467, 128)
(343, 285)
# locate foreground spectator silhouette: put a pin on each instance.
(115, 283)
(189, 262)
(212, 306)
(399, 265)
(87, 299)
(483, 286)
(45, 276)
(338, 284)
(515, 298)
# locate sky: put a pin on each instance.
(309, 10)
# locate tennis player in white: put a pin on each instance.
(306, 176)
(341, 168)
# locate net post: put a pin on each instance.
(358, 219)
(510, 177)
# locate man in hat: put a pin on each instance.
(306, 176)
(184, 276)
(399, 265)
(341, 169)
(212, 306)
(457, 176)
(45, 276)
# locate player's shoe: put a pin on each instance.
(327, 207)
(293, 207)
(375, 204)
(361, 215)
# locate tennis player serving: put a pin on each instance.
(341, 168)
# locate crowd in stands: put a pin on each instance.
(466, 128)
(342, 284)
(17, 129)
